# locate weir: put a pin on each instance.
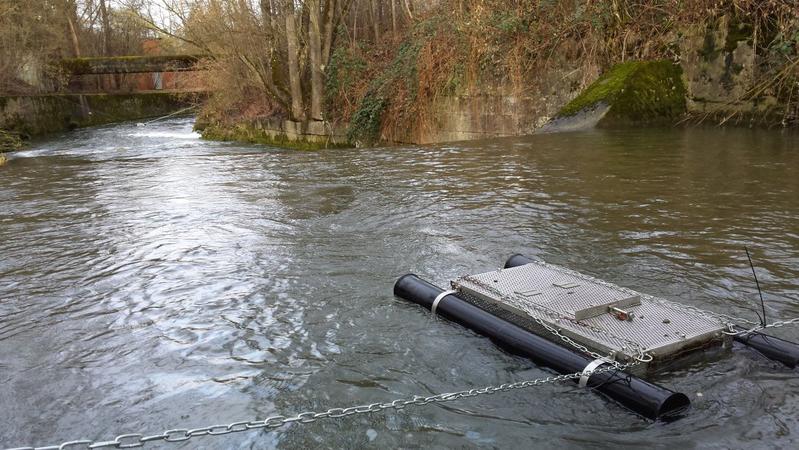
(105, 90)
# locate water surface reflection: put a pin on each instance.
(150, 280)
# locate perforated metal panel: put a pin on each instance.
(587, 310)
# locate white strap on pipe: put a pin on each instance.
(589, 369)
(439, 298)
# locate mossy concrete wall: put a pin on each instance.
(36, 115)
(720, 67)
(308, 135)
(631, 93)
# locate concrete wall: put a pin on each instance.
(500, 111)
(482, 116)
(306, 135)
(35, 115)
(720, 67)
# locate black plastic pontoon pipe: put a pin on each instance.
(517, 260)
(642, 397)
(776, 349)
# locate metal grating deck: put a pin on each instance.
(581, 307)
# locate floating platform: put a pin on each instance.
(575, 325)
(615, 322)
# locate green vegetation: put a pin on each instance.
(636, 91)
(425, 65)
(365, 124)
(400, 75)
(8, 142)
(346, 69)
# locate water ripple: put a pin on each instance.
(150, 280)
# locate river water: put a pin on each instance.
(150, 280)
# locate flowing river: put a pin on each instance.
(151, 280)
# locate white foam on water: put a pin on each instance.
(166, 134)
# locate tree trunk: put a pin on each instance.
(408, 9)
(333, 13)
(375, 19)
(393, 16)
(110, 78)
(315, 53)
(106, 28)
(73, 32)
(293, 48)
(355, 23)
(267, 19)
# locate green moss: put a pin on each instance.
(254, 135)
(75, 65)
(606, 88)
(9, 142)
(636, 91)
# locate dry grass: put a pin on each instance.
(237, 95)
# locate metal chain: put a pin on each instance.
(133, 440)
(531, 309)
(777, 324)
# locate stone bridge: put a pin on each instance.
(131, 64)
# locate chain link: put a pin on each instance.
(274, 422)
(777, 324)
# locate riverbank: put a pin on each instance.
(506, 70)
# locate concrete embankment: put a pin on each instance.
(307, 135)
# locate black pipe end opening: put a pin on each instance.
(516, 260)
(398, 283)
(673, 407)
